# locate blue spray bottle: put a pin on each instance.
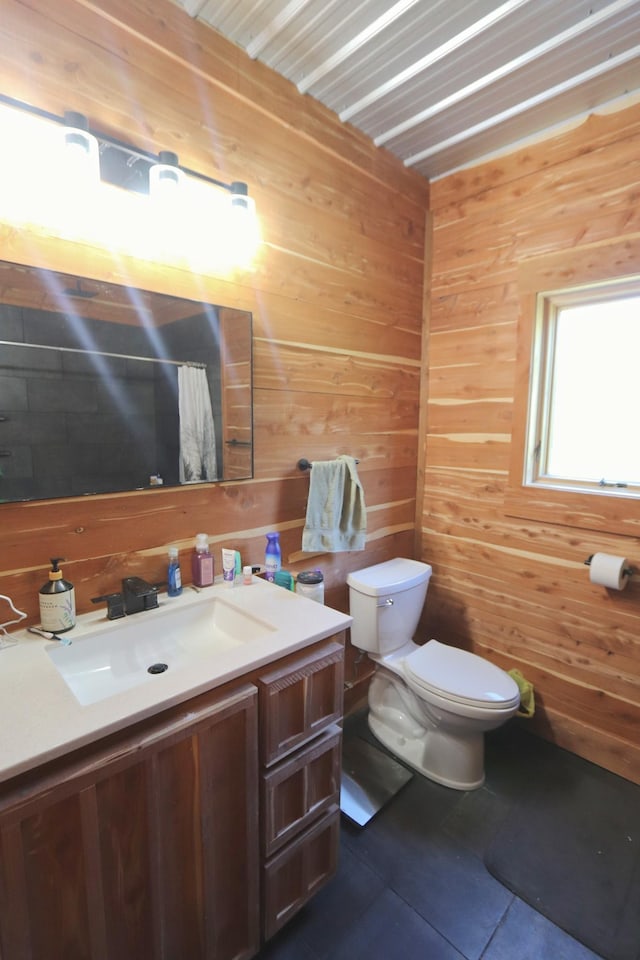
(272, 555)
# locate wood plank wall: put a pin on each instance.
(336, 294)
(513, 590)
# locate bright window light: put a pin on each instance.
(586, 360)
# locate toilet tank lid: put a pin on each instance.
(391, 576)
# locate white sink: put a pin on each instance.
(118, 657)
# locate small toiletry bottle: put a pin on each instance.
(229, 566)
(272, 555)
(202, 562)
(57, 601)
(174, 577)
(247, 576)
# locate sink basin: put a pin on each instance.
(120, 656)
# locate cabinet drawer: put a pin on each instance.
(294, 875)
(299, 700)
(299, 789)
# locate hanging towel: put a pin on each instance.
(197, 432)
(336, 514)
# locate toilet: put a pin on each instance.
(430, 705)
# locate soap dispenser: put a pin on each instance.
(57, 601)
(202, 569)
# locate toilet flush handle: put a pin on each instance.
(385, 603)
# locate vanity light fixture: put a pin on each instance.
(102, 158)
(243, 236)
(240, 198)
(81, 147)
(165, 176)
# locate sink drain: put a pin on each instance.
(158, 668)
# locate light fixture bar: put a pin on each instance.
(182, 217)
(105, 139)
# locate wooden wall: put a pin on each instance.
(336, 295)
(517, 590)
(337, 303)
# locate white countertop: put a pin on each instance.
(41, 718)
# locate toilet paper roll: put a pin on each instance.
(608, 571)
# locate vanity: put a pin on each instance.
(187, 812)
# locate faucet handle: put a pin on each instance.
(115, 604)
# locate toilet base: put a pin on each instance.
(454, 761)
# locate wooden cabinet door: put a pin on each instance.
(298, 871)
(300, 699)
(299, 789)
(143, 847)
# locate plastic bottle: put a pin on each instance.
(174, 577)
(202, 570)
(272, 555)
(57, 601)
(310, 583)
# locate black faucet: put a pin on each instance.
(137, 595)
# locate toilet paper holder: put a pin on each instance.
(627, 571)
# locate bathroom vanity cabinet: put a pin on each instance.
(195, 833)
(143, 847)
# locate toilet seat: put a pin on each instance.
(461, 677)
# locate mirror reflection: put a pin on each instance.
(107, 388)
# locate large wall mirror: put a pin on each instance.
(107, 388)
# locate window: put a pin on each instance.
(583, 394)
(575, 410)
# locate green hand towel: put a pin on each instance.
(336, 514)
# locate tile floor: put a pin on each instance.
(412, 884)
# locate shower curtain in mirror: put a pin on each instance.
(197, 432)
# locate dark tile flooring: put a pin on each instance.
(412, 883)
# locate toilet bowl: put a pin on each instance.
(430, 705)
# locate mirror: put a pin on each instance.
(107, 388)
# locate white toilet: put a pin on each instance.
(430, 705)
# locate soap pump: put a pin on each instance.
(57, 601)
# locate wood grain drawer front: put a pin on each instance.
(299, 699)
(295, 874)
(300, 788)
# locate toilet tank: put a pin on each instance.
(386, 601)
